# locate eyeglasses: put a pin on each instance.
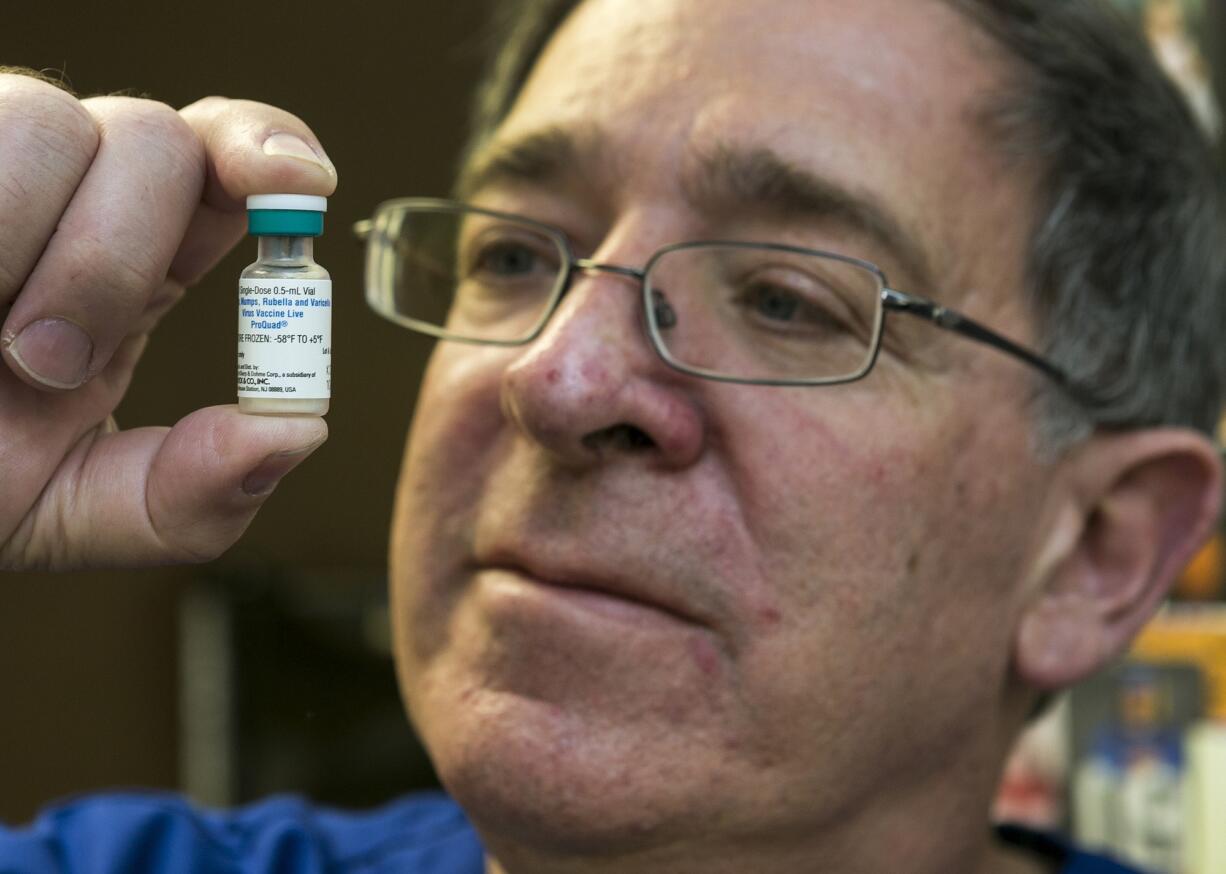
(755, 313)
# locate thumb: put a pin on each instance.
(162, 496)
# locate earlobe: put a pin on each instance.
(1058, 642)
(1146, 501)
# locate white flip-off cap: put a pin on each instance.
(303, 202)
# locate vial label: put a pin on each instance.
(285, 338)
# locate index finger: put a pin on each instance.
(250, 148)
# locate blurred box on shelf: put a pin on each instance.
(1192, 634)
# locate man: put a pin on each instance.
(732, 556)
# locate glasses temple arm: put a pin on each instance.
(951, 320)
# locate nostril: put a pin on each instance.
(623, 438)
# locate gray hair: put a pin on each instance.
(1127, 259)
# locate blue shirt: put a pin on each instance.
(419, 834)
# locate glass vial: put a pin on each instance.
(285, 311)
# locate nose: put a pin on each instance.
(591, 389)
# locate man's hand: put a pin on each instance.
(109, 208)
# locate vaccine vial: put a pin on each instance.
(285, 311)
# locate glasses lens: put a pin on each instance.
(463, 273)
(765, 313)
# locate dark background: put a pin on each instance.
(89, 665)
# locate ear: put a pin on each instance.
(1134, 508)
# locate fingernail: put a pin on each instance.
(270, 471)
(285, 145)
(54, 352)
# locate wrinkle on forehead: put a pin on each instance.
(780, 69)
(659, 44)
(726, 180)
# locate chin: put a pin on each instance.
(531, 775)
(604, 757)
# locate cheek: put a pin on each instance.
(824, 501)
(453, 443)
(454, 437)
(867, 527)
(890, 566)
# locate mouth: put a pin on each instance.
(607, 595)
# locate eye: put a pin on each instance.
(771, 302)
(506, 258)
(504, 254)
(774, 306)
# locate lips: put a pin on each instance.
(601, 589)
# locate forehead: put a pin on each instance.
(879, 97)
(869, 49)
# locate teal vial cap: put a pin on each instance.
(288, 215)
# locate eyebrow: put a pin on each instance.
(540, 157)
(727, 179)
(759, 180)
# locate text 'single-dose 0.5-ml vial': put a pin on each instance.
(285, 311)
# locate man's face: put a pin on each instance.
(634, 608)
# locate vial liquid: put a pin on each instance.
(285, 311)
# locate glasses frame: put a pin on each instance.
(892, 300)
